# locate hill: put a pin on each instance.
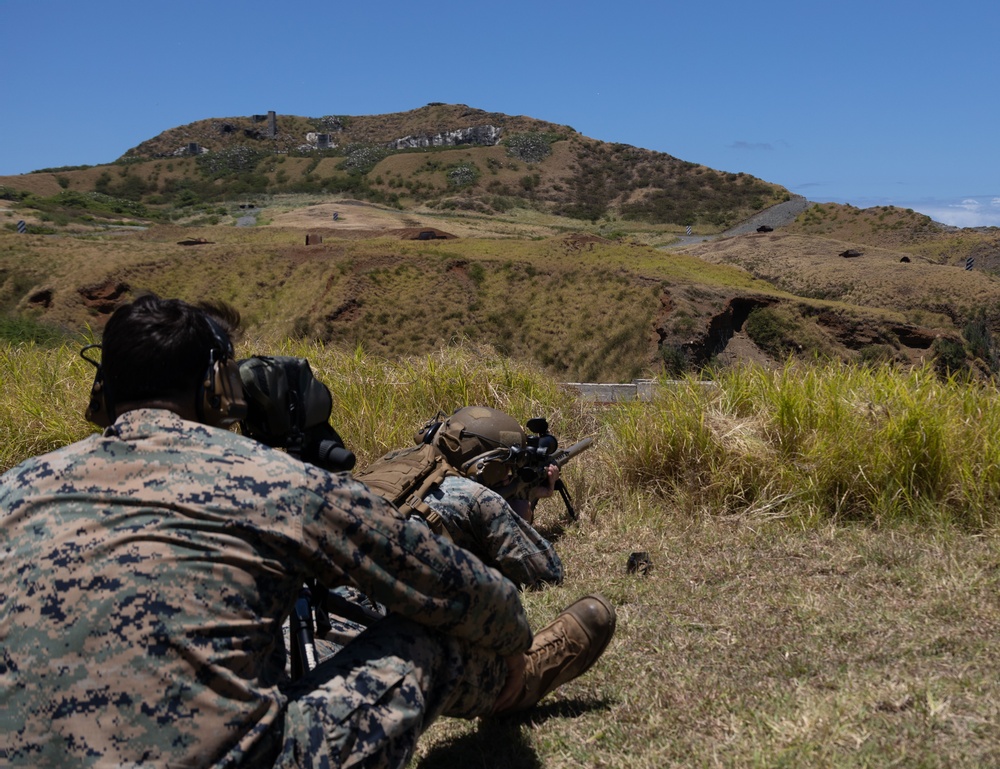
(507, 230)
(445, 157)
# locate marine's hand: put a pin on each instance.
(541, 492)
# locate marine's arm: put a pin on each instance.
(481, 521)
(519, 551)
(402, 565)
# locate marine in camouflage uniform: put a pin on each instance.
(480, 520)
(145, 571)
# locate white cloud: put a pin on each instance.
(742, 145)
(968, 212)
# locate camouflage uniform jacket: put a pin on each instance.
(145, 574)
(480, 520)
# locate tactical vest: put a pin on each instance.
(406, 476)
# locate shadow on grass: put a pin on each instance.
(554, 531)
(503, 742)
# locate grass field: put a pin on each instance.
(824, 583)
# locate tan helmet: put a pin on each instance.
(477, 440)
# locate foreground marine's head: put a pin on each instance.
(171, 354)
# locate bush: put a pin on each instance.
(362, 158)
(531, 147)
(980, 343)
(463, 175)
(237, 159)
(770, 331)
(949, 357)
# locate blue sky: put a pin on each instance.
(869, 103)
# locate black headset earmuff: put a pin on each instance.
(100, 410)
(221, 401)
(426, 433)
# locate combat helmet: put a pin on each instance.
(479, 442)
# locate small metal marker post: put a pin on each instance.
(22, 227)
(688, 229)
(336, 215)
(969, 262)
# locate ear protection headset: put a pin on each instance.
(220, 401)
(97, 411)
(492, 468)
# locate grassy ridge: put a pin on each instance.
(773, 630)
(587, 311)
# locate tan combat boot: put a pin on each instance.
(565, 649)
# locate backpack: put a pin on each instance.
(404, 477)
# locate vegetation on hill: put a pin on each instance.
(560, 260)
(584, 307)
(448, 157)
(903, 230)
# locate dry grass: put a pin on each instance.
(585, 309)
(810, 266)
(752, 645)
(762, 637)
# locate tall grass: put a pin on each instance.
(43, 394)
(825, 442)
(768, 633)
(808, 444)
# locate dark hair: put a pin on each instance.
(155, 348)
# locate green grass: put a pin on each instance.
(823, 539)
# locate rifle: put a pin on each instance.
(289, 408)
(531, 463)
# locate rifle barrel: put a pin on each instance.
(564, 456)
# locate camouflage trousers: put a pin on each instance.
(367, 705)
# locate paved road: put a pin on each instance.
(774, 217)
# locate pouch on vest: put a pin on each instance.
(405, 477)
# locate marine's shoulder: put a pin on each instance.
(467, 491)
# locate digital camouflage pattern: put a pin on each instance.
(144, 576)
(480, 520)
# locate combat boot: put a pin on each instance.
(565, 649)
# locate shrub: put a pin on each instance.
(530, 147)
(770, 331)
(237, 159)
(949, 357)
(980, 342)
(362, 158)
(463, 175)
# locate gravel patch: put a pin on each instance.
(773, 217)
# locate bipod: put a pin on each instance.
(564, 493)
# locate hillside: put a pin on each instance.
(404, 232)
(445, 157)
